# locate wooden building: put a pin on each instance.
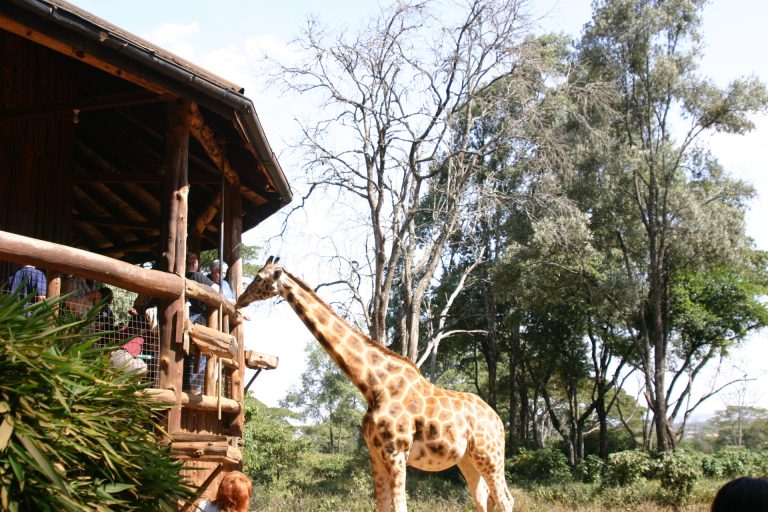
(114, 153)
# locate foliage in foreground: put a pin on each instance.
(74, 435)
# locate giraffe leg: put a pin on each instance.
(499, 491)
(477, 486)
(381, 486)
(396, 467)
(389, 482)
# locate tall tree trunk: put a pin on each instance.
(513, 443)
(491, 349)
(602, 419)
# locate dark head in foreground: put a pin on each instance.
(742, 495)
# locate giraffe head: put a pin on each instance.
(264, 285)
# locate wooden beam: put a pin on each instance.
(24, 31)
(86, 105)
(208, 295)
(208, 214)
(254, 360)
(212, 341)
(116, 223)
(233, 234)
(206, 451)
(174, 250)
(138, 177)
(50, 256)
(205, 135)
(196, 402)
(229, 363)
(144, 245)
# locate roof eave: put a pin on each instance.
(111, 43)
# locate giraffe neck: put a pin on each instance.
(365, 362)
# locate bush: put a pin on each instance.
(589, 469)
(627, 467)
(678, 472)
(712, 466)
(74, 434)
(329, 467)
(545, 465)
(736, 461)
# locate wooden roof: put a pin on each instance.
(109, 95)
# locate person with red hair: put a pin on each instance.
(233, 495)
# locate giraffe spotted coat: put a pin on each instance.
(409, 421)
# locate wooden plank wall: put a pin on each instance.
(35, 151)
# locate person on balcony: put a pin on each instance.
(81, 298)
(126, 357)
(105, 320)
(218, 269)
(194, 363)
(32, 283)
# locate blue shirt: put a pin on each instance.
(31, 280)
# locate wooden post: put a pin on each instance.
(210, 365)
(174, 236)
(232, 241)
(54, 285)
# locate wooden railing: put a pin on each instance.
(162, 285)
(64, 259)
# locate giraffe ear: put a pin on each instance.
(277, 274)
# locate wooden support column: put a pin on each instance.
(210, 365)
(232, 241)
(54, 285)
(174, 239)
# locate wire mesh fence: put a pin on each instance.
(129, 329)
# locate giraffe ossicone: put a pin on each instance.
(410, 421)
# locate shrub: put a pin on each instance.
(74, 434)
(627, 467)
(589, 469)
(328, 467)
(678, 472)
(735, 461)
(712, 466)
(544, 465)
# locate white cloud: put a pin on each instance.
(177, 38)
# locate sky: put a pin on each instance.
(230, 39)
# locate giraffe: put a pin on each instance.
(409, 420)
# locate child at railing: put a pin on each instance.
(233, 495)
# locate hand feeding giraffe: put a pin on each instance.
(409, 421)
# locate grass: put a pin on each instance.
(354, 493)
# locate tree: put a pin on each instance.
(328, 400)
(271, 451)
(678, 211)
(401, 99)
(741, 426)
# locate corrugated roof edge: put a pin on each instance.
(184, 73)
